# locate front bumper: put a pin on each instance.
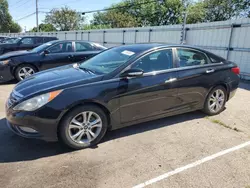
(44, 128)
(5, 73)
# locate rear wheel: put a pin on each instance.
(215, 101)
(83, 127)
(24, 71)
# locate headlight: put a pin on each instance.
(37, 102)
(5, 62)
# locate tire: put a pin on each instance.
(67, 132)
(20, 70)
(212, 99)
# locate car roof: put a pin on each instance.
(143, 47)
(138, 48)
(76, 41)
(36, 36)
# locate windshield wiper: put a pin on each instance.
(86, 69)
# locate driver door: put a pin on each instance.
(152, 95)
(58, 55)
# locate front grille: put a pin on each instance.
(14, 98)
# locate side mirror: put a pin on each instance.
(132, 73)
(46, 52)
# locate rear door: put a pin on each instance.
(59, 54)
(196, 75)
(152, 95)
(84, 51)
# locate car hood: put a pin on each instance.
(55, 79)
(15, 54)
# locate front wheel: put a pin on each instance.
(215, 101)
(24, 71)
(83, 127)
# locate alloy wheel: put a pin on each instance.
(25, 72)
(216, 101)
(85, 127)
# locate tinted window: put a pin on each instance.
(188, 57)
(39, 40)
(216, 59)
(27, 41)
(156, 61)
(61, 48)
(83, 46)
(99, 47)
(47, 39)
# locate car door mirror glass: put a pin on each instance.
(132, 73)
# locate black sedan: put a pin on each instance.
(24, 43)
(21, 64)
(119, 87)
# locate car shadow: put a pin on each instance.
(11, 82)
(245, 85)
(148, 126)
(14, 148)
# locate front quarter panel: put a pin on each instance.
(102, 93)
(33, 59)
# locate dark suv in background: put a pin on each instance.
(2, 38)
(25, 43)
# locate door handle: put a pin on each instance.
(209, 71)
(171, 80)
(70, 56)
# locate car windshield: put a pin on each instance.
(107, 61)
(41, 47)
(11, 40)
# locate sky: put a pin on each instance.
(21, 8)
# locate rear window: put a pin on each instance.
(39, 40)
(47, 39)
(215, 58)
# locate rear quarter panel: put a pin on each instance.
(195, 84)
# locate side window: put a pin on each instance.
(156, 61)
(83, 46)
(27, 41)
(188, 57)
(216, 59)
(39, 40)
(61, 48)
(46, 39)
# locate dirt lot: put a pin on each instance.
(180, 148)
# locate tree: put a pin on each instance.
(219, 10)
(64, 19)
(91, 26)
(196, 13)
(15, 28)
(6, 22)
(138, 13)
(44, 28)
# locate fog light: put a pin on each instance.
(28, 130)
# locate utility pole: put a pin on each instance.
(37, 25)
(183, 31)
